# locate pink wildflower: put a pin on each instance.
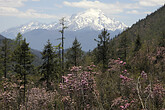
(122, 107)
(144, 75)
(121, 62)
(69, 75)
(124, 63)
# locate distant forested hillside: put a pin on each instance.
(148, 34)
(37, 53)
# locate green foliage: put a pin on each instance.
(122, 51)
(161, 41)
(19, 39)
(103, 48)
(23, 59)
(137, 44)
(74, 55)
(5, 57)
(142, 42)
(50, 67)
(134, 81)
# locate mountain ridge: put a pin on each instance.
(150, 30)
(93, 19)
(85, 26)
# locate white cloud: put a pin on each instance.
(9, 11)
(115, 8)
(137, 12)
(112, 8)
(9, 8)
(151, 2)
(12, 3)
(33, 14)
(35, 0)
(133, 12)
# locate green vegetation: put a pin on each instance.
(74, 55)
(126, 72)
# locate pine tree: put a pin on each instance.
(27, 60)
(23, 59)
(58, 47)
(57, 63)
(162, 40)
(49, 66)
(137, 55)
(137, 44)
(19, 39)
(74, 54)
(103, 48)
(5, 57)
(122, 52)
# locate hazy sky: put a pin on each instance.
(16, 12)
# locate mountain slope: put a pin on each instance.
(37, 59)
(149, 28)
(38, 38)
(12, 32)
(148, 35)
(2, 37)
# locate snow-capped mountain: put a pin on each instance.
(84, 25)
(93, 19)
(12, 32)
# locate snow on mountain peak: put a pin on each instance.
(93, 12)
(93, 19)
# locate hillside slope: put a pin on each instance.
(148, 35)
(151, 27)
(36, 53)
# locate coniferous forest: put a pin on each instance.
(123, 73)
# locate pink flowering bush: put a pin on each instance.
(118, 88)
(79, 88)
(123, 89)
(9, 95)
(122, 104)
(39, 98)
(136, 92)
(36, 98)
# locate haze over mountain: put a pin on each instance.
(84, 25)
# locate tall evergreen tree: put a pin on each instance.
(19, 39)
(74, 54)
(58, 63)
(23, 59)
(162, 40)
(103, 48)
(49, 66)
(122, 52)
(5, 57)
(137, 44)
(137, 55)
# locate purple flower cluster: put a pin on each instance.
(125, 106)
(78, 85)
(120, 61)
(125, 79)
